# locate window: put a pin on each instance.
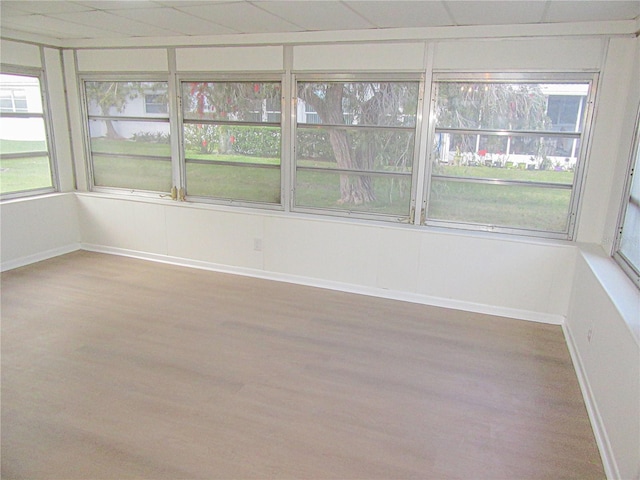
(627, 251)
(25, 160)
(355, 146)
(232, 140)
(154, 103)
(13, 99)
(129, 145)
(507, 152)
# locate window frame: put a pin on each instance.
(524, 77)
(40, 74)
(418, 132)
(232, 77)
(632, 270)
(86, 117)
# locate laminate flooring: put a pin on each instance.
(116, 368)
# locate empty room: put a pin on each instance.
(249, 239)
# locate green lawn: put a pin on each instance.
(500, 205)
(21, 146)
(322, 189)
(19, 174)
(548, 176)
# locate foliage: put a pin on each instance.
(491, 106)
(231, 101)
(151, 137)
(258, 141)
(114, 97)
(366, 104)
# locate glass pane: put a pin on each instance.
(358, 193)
(27, 173)
(630, 240)
(527, 207)
(358, 103)
(380, 151)
(130, 137)
(25, 161)
(126, 99)
(18, 135)
(253, 184)
(131, 172)
(533, 152)
(231, 143)
(232, 101)
(511, 106)
(20, 93)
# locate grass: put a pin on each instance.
(22, 146)
(546, 176)
(20, 174)
(322, 189)
(499, 205)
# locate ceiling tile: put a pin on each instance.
(496, 12)
(43, 7)
(111, 22)
(175, 20)
(55, 27)
(316, 15)
(118, 4)
(241, 17)
(401, 14)
(586, 11)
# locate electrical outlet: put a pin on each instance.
(257, 244)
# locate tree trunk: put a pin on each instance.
(354, 189)
(112, 133)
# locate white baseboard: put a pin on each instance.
(519, 314)
(611, 469)
(38, 257)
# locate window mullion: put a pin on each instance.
(175, 128)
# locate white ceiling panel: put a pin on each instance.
(118, 4)
(42, 7)
(581, 11)
(56, 28)
(241, 17)
(108, 21)
(316, 15)
(174, 20)
(496, 12)
(161, 18)
(402, 13)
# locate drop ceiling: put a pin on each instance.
(68, 20)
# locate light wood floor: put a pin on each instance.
(120, 368)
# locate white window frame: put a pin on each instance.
(236, 77)
(418, 78)
(632, 270)
(515, 77)
(46, 118)
(108, 77)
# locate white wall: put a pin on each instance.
(523, 279)
(603, 333)
(37, 228)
